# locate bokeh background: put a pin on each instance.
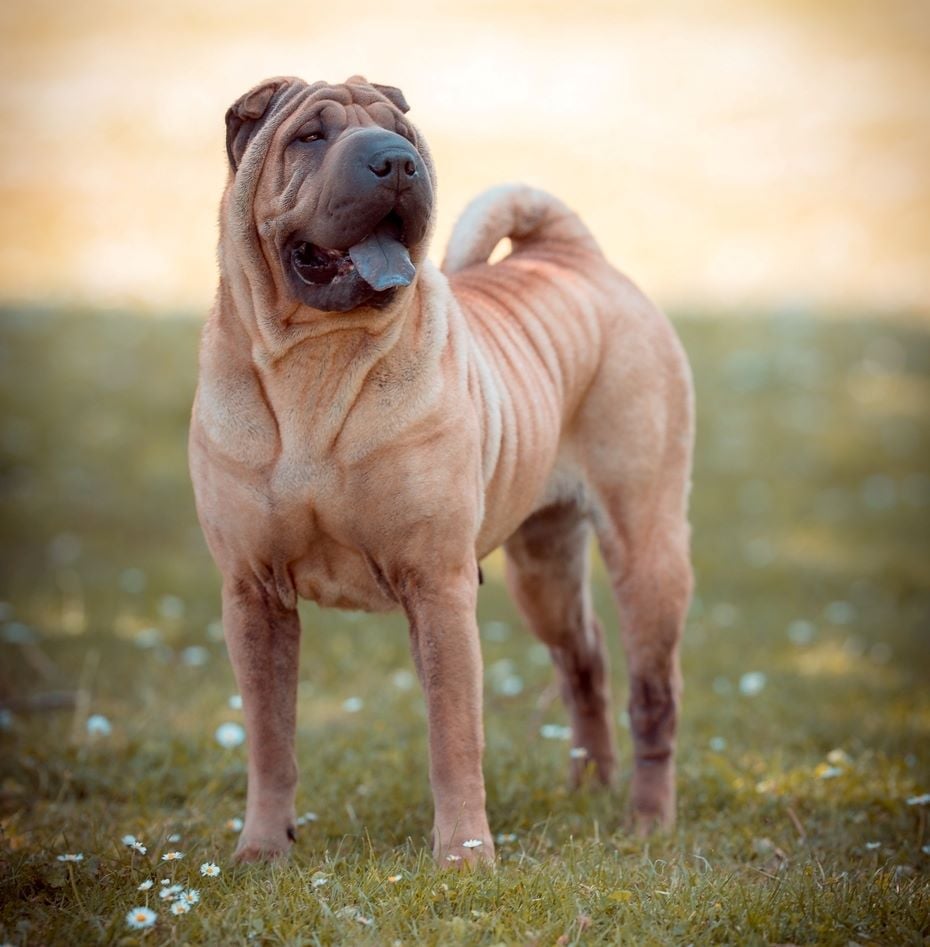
(734, 154)
(761, 169)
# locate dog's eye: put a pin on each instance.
(311, 136)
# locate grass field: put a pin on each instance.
(805, 723)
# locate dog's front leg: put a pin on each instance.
(263, 637)
(447, 654)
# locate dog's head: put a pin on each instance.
(338, 186)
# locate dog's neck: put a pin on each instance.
(312, 367)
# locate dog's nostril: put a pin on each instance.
(397, 163)
(381, 168)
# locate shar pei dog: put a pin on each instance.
(367, 427)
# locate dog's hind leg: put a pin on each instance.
(548, 575)
(650, 571)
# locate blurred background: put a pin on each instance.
(727, 154)
(761, 168)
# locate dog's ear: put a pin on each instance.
(393, 95)
(245, 114)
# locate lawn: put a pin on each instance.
(804, 738)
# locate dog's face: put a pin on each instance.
(341, 188)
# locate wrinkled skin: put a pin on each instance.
(366, 428)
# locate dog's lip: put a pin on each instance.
(317, 265)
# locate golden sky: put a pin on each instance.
(726, 154)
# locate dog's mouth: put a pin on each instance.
(381, 259)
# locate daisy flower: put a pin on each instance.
(146, 885)
(171, 892)
(230, 735)
(98, 725)
(235, 702)
(472, 843)
(180, 907)
(393, 879)
(77, 857)
(554, 731)
(453, 858)
(139, 918)
(921, 800)
(209, 870)
(319, 880)
(139, 847)
(129, 840)
(234, 825)
(578, 753)
(172, 856)
(174, 837)
(190, 897)
(872, 846)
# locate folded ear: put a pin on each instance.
(393, 95)
(244, 116)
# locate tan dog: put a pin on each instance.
(366, 429)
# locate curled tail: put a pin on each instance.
(522, 213)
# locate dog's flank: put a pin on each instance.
(366, 427)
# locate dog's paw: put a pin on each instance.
(464, 850)
(253, 847)
(652, 798)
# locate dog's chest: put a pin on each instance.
(311, 533)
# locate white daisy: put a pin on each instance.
(871, 846)
(472, 843)
(319, 880)
(180, 907)
(230, 735)
(139, 918)
(554, 731)
(453, 858)
(172, 856)
(503, 837)
(921, 800)
(128, 840)
(146, 885)
(139, 847)
(393, 879)
(234, 825)
(209, 870)
(235, 702)
(77, 857)
(99, 726)
(578, 753)
(752, 683)
(190, 897)
(174, 837)
(171, 892)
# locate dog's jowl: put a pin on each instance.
(367, 427)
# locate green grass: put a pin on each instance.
(811, 512)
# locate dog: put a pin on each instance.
(368, 427)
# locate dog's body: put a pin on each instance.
(364, 451)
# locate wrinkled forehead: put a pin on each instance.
(342, 106)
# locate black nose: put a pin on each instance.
(396, 161)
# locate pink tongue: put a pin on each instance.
(382, 260)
